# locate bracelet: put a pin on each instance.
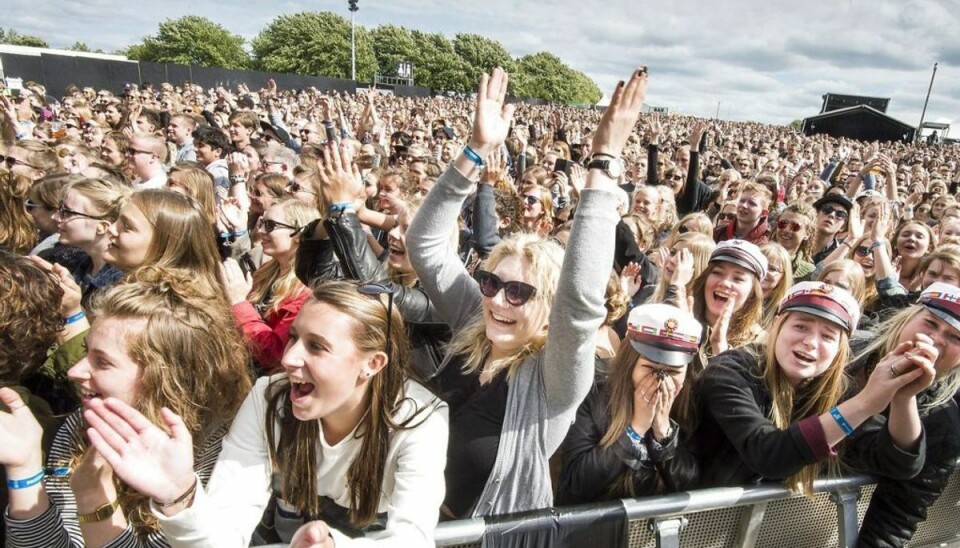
(239, 233)
(473, 156)
(339, 208)
(633, 434)
(75, 318)
(189, 493)
(876, 244)
(844, 425)
(844, 242)
(28, 482)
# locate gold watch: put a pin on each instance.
(100, 513)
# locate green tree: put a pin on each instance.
(437, 65)
(544, 76)
(393, 45)
(315, 43)
(482, 54)
(82, 46)
(192, 40)
(14, 38)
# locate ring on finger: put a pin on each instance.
(894, 371)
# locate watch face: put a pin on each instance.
(615, 168)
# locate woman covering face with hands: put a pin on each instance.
(782, 411)
(630, 437)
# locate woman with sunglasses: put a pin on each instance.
(536, 210)
(266, 303)
(794, 231)
(87, 209)
(344, 415)
(31, 159)
(783, 411)
(159, 345)
(513, 390)
(927, 331)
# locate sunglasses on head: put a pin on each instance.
(794, 227)
(515, 293)
(11, 161)
(375, 290)
(295, 187)
(838, 213)
(269, 225)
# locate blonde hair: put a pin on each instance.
(701, 246)
(854, 273)
(776, 255)
(702, 224)
(268, 279)
(543, 258)
(105, 196)
(819, 395)
(199, 184)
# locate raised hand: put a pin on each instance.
(854, 222)
(620, 117)
(70, 301)
(230, 215)
(718, 338)
(491, 122)
(496, 166)
(340, 178)
(922, 356)
(683, 272)
(20, 435)
(630, 280)
(644, 403)
(696, 134)
(155, 463)
(236, 284)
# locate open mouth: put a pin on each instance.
(721, 298)
(502, 320)
(804, 358)
(397, 250)
(87, 395)
(300, 389)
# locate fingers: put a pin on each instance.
(95, 417)
(134, 418)
(174, 423)
(13, 401)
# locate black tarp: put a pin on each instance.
(28, 67)
(860, 122)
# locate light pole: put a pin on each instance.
(353, 43)
(925, 101)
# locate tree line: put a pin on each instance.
(318, 43)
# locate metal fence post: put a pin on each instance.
(667, 531)
(848, 526)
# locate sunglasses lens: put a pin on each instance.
(269, 225)
(517, 293)
(489, 283)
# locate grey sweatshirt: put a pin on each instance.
(547, 388)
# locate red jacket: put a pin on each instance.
(267, 337)
(756, 236)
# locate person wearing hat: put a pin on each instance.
(930, 330)
(832, 212)
(781, 411)
(630, 434)
(730, 283)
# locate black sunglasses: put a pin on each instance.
(65, 213)
(295, 187)
(530, 199)
(727, 216)
(11, 161)
(516, 293)
(269, 225)
(862, 251)
(375, 289)
(838, 213)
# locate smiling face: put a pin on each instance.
(789, 238)
(397, 245)
(108, 371)
(912, 241)
(510, 327)
(806, 345)
(646, 203)
(726, 281)
(130, 239)
(281, 244)
(325, 367)
(78, 230)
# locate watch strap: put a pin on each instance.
(100, 514)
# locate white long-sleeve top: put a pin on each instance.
(226, 514)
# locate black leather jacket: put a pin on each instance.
(347, 244)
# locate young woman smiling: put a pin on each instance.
(513, 390)
(794, 231)
(780, 410)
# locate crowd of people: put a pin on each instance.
(237, 317)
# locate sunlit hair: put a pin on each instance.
(888, 335)
(655, 216)
(403, 179)
(615, 299)
(745, 325)
(701, 247)
(536, 175)
(853, 273)
(106, 197)
(191, 356)
(182, 237)
(293, 447)
(806, 237)
(947, 254)
(760, 190)
(543, 259)
(668, 209)
(40, 156)
(776, 256)
(815, 397)
(269, 278)
(198, 183)
(18, 233)
(644, 232)
(29, 318)
(931, 237)
(620, 411)
(695, 222)
(546, 205)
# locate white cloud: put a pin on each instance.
(767, 61)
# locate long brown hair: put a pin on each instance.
(18, 233)
(192, 360)
(812, 398)
(294, 454)
(745, 324)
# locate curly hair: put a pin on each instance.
(29, 318)
(18, 233)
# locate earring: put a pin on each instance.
(369, 374)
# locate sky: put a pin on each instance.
(766, 61)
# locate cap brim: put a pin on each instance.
(739, 262)
(673, 358)
(821, 313)
(943, 315)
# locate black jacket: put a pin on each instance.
(736, 443)
(427, 332)
(695, 194)
(899, 506)
(589, 471)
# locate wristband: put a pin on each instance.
(633, 434)
(75, 318)
(28, 482)
(340, 208)
(189, 493)
(473, 156)
(844, 242)
(842, 422)
(239, 233)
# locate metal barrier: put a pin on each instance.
(747, 517)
